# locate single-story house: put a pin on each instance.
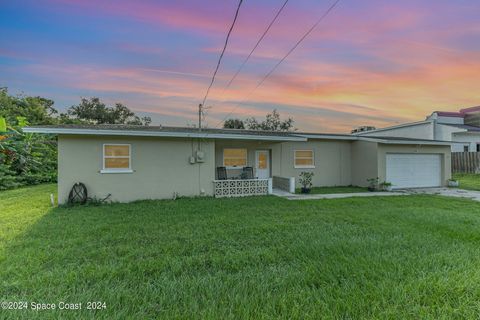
(155, 162)
(461, 127)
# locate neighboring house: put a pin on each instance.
(135, 162)
(462, 127)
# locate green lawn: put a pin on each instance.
(328, 190)
(406, 257)
(468, 181)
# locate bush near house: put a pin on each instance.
(26, 158)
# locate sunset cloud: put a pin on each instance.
(369, 63)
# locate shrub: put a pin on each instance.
(306, 179)
(26, 158)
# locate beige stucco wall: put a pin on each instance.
(332, 161)
(472, 138)
(383, 149)
(364, 162)
(415, 131)
(161, 167)
(251, 147)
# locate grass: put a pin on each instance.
(328, 190)
(468, 181)
(406, 257)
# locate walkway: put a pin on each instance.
(291, 196)
(448, 192)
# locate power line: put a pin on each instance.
(254, 48)
(256, 45)
(223, 51)
(283, 59)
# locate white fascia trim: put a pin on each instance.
(411, 124)
(328, 137)
(460, 130)
(422, 142)
(205, 135)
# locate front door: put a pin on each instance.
(262, 164)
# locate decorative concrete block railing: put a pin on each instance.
(242, 188)
(285, 184)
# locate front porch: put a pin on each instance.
(245, 168)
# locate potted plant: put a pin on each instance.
(386, 186)
(372, 184)
(452, 183)
(306, 181)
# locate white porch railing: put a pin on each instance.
(285, 184)
(242, 188)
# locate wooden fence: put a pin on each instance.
(465, 162)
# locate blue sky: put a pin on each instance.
(368, 63)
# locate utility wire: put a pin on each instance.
(223, 51)
(256, 45)
(283, 59)
(254, 48)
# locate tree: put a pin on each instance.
(95, 111)
(36, 110)
(26, 158)
(272, 122)
(233, 124)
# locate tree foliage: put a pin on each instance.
(95, 111)
(28, 158)
(272, 122)
(234, 124)
(35, 110)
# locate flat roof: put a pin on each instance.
(210, 133)
(462, 126)
(162, 131)
(398, 126)
(400, 140)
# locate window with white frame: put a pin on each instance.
(304, 159)
(116, 158)
(233, 158)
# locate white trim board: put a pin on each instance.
(410, 124)
(140, 133)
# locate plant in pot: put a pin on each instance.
(372, 184)
(452, 183)
(386, 186)
(306, 181)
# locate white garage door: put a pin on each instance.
(414, 170)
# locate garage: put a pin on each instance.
(409, 170)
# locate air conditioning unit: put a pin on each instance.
(200, 156)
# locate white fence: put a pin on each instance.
(242, 188)
(285, 184)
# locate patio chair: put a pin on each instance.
(247, 173)
(221, 173)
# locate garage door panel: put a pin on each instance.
(414, 170)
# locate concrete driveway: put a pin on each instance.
(448, 192)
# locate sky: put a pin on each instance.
(370, 62)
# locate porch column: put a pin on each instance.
(291, 186)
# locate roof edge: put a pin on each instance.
(203, 135)
(412, 141)
(393, 127)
